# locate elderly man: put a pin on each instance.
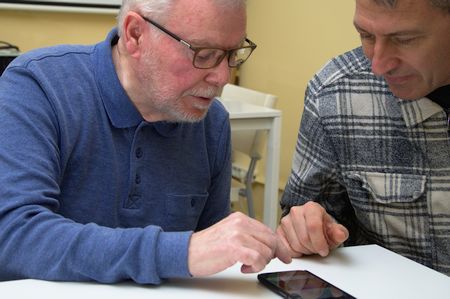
(373, 152)
(115, 158)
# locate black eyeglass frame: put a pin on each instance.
(252, 46)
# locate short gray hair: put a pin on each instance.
(441, 4)
(161, 8)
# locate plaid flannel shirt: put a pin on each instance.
(378, 164)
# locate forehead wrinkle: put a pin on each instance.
(396, 22)
(394, 33)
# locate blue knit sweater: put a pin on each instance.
(88, 189)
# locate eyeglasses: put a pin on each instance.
(207, 58)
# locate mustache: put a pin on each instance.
(208, 92)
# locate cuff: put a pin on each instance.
(172, 254)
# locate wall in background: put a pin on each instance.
(34, 29)
(295, 39)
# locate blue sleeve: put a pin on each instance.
(36, 241)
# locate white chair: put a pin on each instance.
(247, 145)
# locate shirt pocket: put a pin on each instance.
(392, 211)
(184, 210)
(386, 188)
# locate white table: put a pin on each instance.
(366, 272)
(245, 116)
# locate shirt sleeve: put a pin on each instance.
(315, 174)
(36, 241)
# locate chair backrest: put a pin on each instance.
(249, 142)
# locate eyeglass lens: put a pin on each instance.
(208, 58)
(239, 56)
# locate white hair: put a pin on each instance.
(161, 8)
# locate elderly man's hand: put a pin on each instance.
(237, 238)
(309, 229)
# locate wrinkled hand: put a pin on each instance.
(309, 229)
(237, 238)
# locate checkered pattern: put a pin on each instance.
(380, 165)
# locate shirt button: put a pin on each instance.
(138, 179)
(139, 153)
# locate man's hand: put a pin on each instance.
(309, 229)
(237, 238)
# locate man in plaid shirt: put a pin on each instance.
(372, 162)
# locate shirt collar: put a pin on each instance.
(121, 111)
(118, 105)
(418, 111)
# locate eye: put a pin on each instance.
(205, 54)
(366, 37)
(405, 40)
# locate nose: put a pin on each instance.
(383, 57)
(219, 75)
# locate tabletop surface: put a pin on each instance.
(364, 271)
(238, 109)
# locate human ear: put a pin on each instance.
(132, 33)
